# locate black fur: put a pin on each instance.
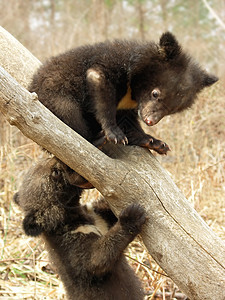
(86, 244)
(84, 88)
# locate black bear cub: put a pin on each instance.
(102, 90)
(85, 243)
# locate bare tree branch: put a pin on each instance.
(16, 59)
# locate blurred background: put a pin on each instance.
(196, 137)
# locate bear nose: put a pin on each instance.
(149, 121)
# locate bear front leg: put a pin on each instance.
(103, 94)
(127, 121)
(107, 249)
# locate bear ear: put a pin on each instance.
(30, 225)
(169, 46)
(209, 79)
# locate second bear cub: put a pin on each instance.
(85, 243)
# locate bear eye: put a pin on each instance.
(56, 173)
(155, 93)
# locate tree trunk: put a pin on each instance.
(175, 235)
(16, 59)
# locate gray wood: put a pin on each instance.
(16, 59)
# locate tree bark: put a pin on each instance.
(175, 235)
(16, 59)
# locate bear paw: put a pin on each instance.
(156, 145)
(133, 217)
(116, 136)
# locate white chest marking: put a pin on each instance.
(100, 227)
